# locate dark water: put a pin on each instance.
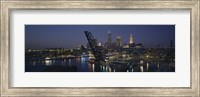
(82, 65)
(62, 65)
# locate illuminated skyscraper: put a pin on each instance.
(131, 39)
(119, 41)
(109, 38)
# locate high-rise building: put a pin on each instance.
(109, 41)
(131, 39)
(119, 41)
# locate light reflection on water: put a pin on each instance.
(70, 62)
(48, 62)
(81, 63)
(105, 68)
(93, 68)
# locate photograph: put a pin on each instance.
(103, 48)
(99, 48)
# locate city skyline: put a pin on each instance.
(71, 36)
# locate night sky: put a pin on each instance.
(71, 36)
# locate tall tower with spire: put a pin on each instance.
(131, 38)
(109, 38)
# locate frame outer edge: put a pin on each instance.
(4, 51)
(198, 16)
(0, 45)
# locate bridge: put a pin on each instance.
(97, 52)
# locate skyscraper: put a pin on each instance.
(131, 39)
(119, 41)
(109, 38)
